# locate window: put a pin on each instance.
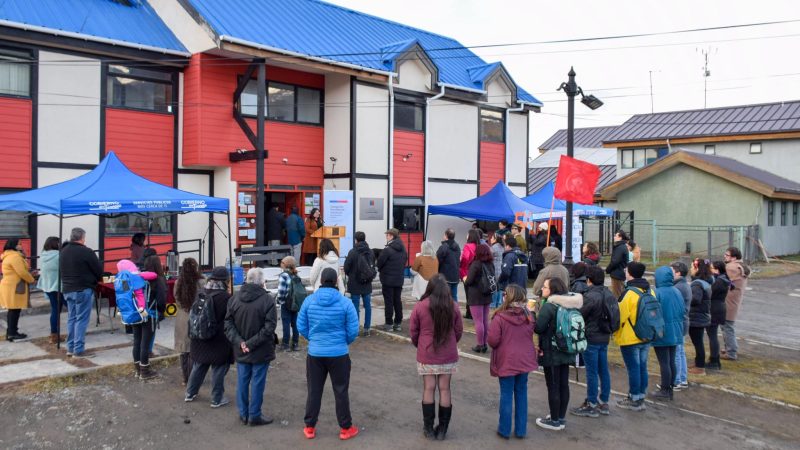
(770, 213)
(136, 88)
(408, 218)
(710, 150)
(285, 102)
(15, 73)
(794, 213)
(650, 156)
(136, 223)
(636, 158)
(784, 207)
(755, 147)
(492, 126)
(13, 224)
(408, 116)
(627, 159)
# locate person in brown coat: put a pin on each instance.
(425, 266)
(186, 288)
(552, 269)
(313, 223)
(14, 289)
(738, 273)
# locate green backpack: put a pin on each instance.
(296, 294)
(570, 335)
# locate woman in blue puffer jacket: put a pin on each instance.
(673, 309)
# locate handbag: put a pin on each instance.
(22, 287)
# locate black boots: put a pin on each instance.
(137, 371)
(444, 422)
(714, 364)
(428, 416)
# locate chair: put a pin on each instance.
(271, 273)
(304, 272)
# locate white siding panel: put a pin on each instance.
(337, 123)
(372, 130)
(453, 141)
(193, 225)
(48, 225)
(224, 188)
(69, 109)
(519, 191)
(414, 76)
(374, 229)
(444, 194)
(337, 184)
(517, 148)
(499, 94)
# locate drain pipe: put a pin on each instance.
(428, 102)
(390, 200)
(505, 163)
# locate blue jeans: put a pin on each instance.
(367, 299)
(289, 321)
(596, 360)
(635, 357)
(681, 375)
(250, 383)
(497, 299)
(454, 290)
(54, 310)
(79, 310)
(516, 388)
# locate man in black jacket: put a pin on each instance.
(619, 260)
(80, 273)
(276, 225)
(449, 256)
(598, 331)
(391, 264)
(360, 288)
(250, 327)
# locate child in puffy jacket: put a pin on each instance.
(142, 332)
(129, 266)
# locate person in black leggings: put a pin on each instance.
(391, 265)
(700, 311)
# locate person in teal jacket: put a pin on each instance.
(48, 283)
(328, 320)
(673, 310)
(295, 233)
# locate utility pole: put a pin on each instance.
(706, 74)
(651, 92)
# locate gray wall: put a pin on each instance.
(779, 239)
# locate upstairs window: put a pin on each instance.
(492, 126)
(285, 103)
(710, 150)
(635, 158)
(755, 148)
(132, 87)
(408, 116)
(15, 73)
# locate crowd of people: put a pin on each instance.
(494, 270)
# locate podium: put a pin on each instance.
(334, 233)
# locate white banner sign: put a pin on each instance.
(337, 210)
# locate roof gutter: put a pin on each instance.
(268, 48)
(462, 88)
(531, 104)
(88, 37)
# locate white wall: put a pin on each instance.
(374, 229)
(342, 184)
(519, 191)
(443, 194)
(194, 37)
(453, 141)
(193, 225)
(224, 188)
(337, 122)
(499, 94)
(414, 76)
(48, 225)
(517, 141)
(69, 109)
(372, 130)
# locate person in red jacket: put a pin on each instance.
(435, 329)
(513, 357)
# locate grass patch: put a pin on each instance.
(768, 378)
(776, 268)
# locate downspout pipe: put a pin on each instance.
(508, 115)
(428, 102)
(390, 200)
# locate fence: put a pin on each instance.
(664, 243)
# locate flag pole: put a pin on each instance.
(550, 219)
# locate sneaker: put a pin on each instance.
(549, 424)
(70, 354)
(309, 432)
(294, 346)
(366, 333)
(603, 409)
(243, 420)
(585, 410)
(661, 394)
(397, 328)
(633, 405)
(221, 403)
(189, 398)
(84, 355)
(284, 347)
(260, 420)
(729, 357)
(680, 386)
(388, 327)
(348, 433)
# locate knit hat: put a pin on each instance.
(328, 278)
(219, 273)
(393, 231)
(128, 265)
(543, 226)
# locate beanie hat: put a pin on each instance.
(328, 278)
(219, 273)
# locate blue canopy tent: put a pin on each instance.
(109, 189)
(544, 198)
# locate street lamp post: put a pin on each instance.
(572, 90)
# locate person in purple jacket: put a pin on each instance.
(435, 329)
(513, 357)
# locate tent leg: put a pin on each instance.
(230, 249)
(60, 295)
(149, 225)
(427, 219)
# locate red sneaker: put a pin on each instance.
(348, 433)
(310, 432)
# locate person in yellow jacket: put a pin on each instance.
(12, 297)
(634, 351)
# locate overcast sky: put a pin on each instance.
(747, 65)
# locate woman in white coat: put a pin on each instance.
(326, 257)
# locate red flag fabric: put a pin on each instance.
(576, 180)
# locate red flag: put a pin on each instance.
(576, 181)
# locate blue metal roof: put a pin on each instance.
(338, 34)
(131, 23)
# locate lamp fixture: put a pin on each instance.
(407, 156)
(286, 160)
(591, 101)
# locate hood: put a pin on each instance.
(127, 265)
(331, 258)
(362, 247)
(664, 277)
(7, 253)
(571, 300)
(593, 256)
(251, 292)
(48, 256)
(640, 283)
(551, 255)
(396, 244)
(516, 316)
(327, 296)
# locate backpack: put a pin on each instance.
(609, 314)
(570, 335)
(296, 294)
(649, 317)
(488, 281)
(202, 317)
(365, 272)
(125, 283)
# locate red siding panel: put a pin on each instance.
(15, 142)
(125, 241)
(413, 243)
(192, 113)
(493, 165)
(409, 175)
(143, 141)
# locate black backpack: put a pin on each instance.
(487, 282)
(202, 318)
(609, 311)
(365, 272)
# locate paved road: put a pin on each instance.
(770, 312)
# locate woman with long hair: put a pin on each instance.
(478, 296)
(190, 282)
(700, 311)
(435, 329)
(425, 266)
(48, 282)
(591, 254)
(513, 357)
(14, 288)
(326, 257)
(719, 291)
(313, 223)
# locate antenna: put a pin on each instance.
(706, 74)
